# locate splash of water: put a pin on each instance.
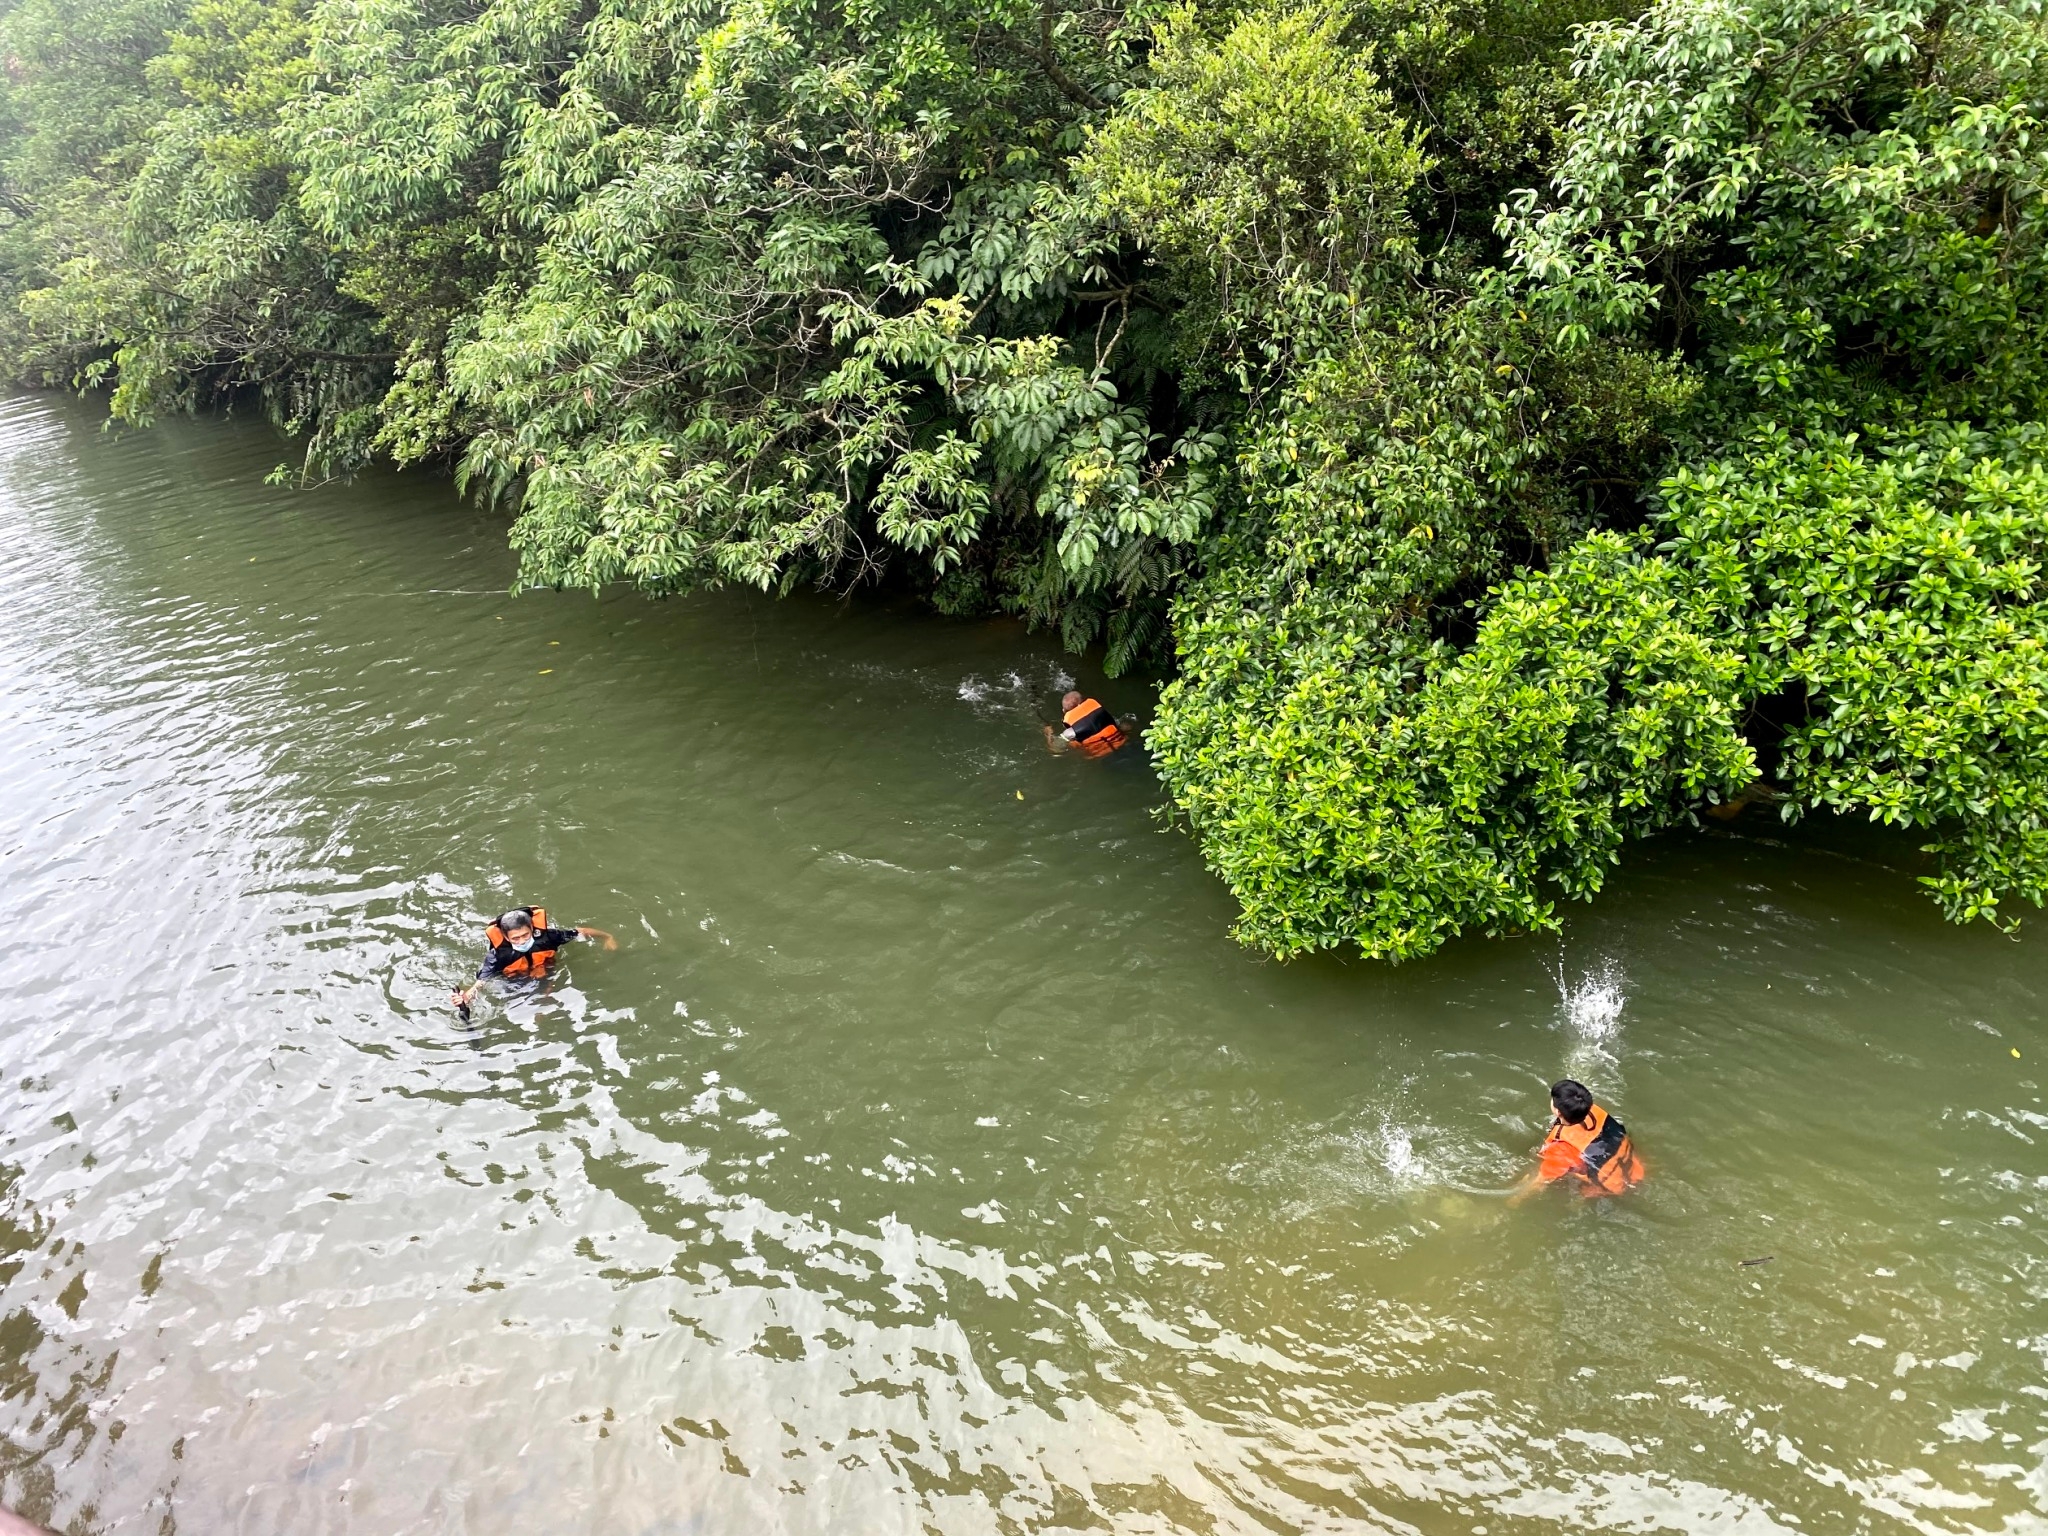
(1014, 690)
(1592, 1010)
(1398, 1155)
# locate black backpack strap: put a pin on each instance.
(1094, 723)
(1603, 1147)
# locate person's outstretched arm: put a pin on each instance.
(1553, 1162)
(600, 935)
(1527, 1187)
(465, 995)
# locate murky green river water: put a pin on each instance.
(926, 1158)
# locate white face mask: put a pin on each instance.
(523, 945)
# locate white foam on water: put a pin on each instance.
(1398, 1155)
(1592, 1009)
(1015, 691)
(1382, 1159)
(1006, 691)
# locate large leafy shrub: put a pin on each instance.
(1889, 600)
(1781, 233)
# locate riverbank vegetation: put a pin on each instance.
(1516, 425)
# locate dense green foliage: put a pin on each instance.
(1805, 240)
(1517, 423)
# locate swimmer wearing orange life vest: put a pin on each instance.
(1586, 1146)
(1090, 729)
(522, 944)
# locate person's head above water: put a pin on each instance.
(517, 926)
(1572, 1100)
(1072, 698)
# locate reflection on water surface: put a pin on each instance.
(926, 1159)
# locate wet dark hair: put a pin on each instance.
(516, 919)
(1572, 1100)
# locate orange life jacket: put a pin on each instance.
(1599, 1156)
(1095, 729)
(535, 961)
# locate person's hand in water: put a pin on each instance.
(600, 935)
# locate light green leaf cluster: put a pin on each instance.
(1263, 160)
(1390, 796)
(1354, 776)
(1892, 594)
(1887, 601)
